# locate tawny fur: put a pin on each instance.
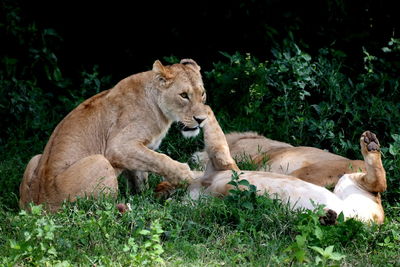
(117, 130)
(356, 194)
(310, 164)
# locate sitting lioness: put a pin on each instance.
(355, 194)
(117, 130)
(310, 164)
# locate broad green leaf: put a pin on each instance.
(318, 259)
(52, 251)
(328, 250)
(233, 183)
(253, 188)
(396, 137)
(36, 210)
(318, 249)
(340, 218)
(336, 256)
(318, 232)
(393, 150)
(144, 232)
(244, 182)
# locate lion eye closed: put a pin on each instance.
(184, 95)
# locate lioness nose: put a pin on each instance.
(199, 119)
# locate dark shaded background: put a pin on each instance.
(55, 54)
(125, 37)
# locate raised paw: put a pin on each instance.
(329, 218)
(370, 141)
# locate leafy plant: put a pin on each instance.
(148, 253)
(327, 254)
(243, 194)
(36, 94)
(312, 235)
(29, 63)
(305, 100)
(92, 83)
(37, 245)
(299, 99)
(391, 163)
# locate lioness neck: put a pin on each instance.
(136, 95)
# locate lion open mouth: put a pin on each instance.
(189, 131)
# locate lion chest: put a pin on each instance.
(155, 142)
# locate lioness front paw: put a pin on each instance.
(182, 173)
(224, 161)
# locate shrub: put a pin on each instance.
(304, 101)
(41, 239)
(35, 93)
(301, 100)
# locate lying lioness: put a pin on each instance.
(356, 194)
(310, 164)
(118, 130)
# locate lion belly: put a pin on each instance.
(297, 193)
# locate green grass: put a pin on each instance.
(208, 232)
(182, 232)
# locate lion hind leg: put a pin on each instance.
(375, 178)
(27, 189)
(90, 176)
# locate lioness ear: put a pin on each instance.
(190, 62)
(159, 68)
(161, 71)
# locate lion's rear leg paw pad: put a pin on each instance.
(329, 218)
(371, 141)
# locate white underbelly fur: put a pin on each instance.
(350, 199)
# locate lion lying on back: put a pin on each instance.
(118, 130)
(310, 164)
(356, 194)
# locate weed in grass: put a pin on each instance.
(36, 243)
(149, 253)
(94, 227)
(391, 163)
(312, 236)
(243, 195)
(245, 162)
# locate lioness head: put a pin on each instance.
(181, 94)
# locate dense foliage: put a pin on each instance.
(323, 97)
(304, 101)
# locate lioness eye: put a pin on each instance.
(184, 95)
